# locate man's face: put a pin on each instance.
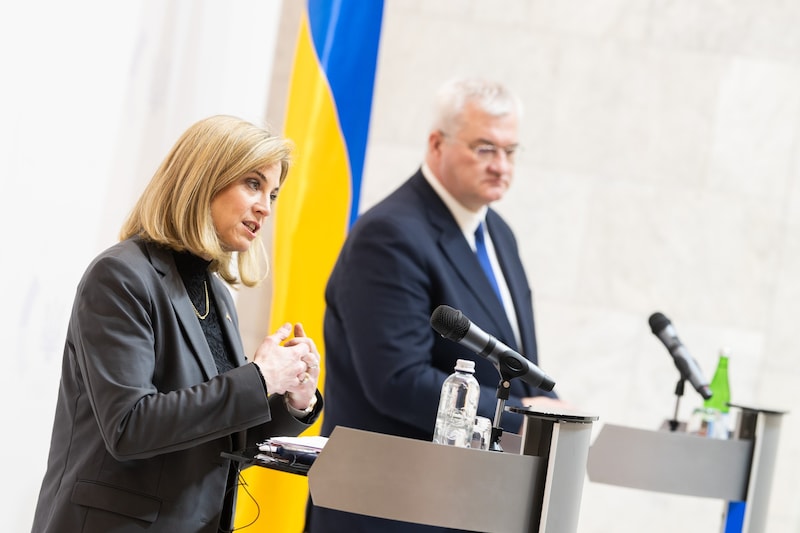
(476, 162)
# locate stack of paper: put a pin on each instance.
(310, 444)
(298, 452)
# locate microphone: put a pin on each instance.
(453, 325)
(662, 328)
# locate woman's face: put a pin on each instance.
(239, 210)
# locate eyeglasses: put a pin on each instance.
(486, 151)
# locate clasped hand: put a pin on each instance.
(290, 366)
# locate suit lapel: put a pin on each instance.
(163, 262)
(515, 278)
(466, 265)
(463, 260)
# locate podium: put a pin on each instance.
(536, 487)
(737, 470)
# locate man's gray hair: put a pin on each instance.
(490, 96)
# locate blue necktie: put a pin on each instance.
(483, 259)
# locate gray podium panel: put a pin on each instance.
(566, 470)
(671, 462)
(422, 482)
(562, 437)
(763, 427)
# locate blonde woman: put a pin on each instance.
(155, 384)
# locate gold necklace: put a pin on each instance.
(196, 312)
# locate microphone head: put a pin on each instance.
(449, 323)
(658, 322)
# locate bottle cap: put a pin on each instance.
(465, 365)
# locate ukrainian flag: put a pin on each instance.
(327, 117)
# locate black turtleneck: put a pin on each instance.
(194, 272)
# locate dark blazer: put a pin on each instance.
(142, 414)
(384, 364)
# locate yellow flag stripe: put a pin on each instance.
(309, 227)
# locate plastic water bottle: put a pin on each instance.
(458, 405)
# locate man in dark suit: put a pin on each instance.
(412, 252)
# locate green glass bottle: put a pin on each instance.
(717, 408)
(720, 388)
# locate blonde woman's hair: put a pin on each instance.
(175, 208)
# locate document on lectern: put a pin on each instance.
(296, 452)
(309, 444)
